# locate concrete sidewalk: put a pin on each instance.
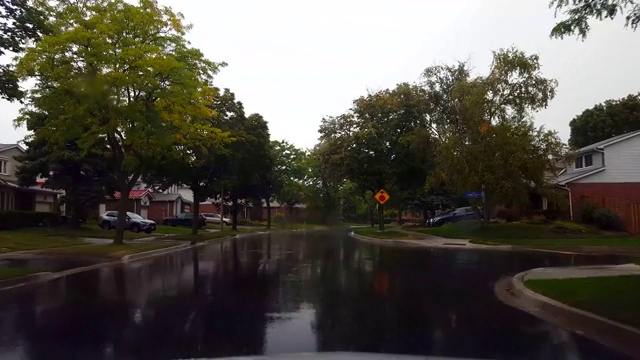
(432, 241)
(512, 291)
(581, 272)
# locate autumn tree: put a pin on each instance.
(605, 120)
(578, 13)
(490, 142)
(120, 73)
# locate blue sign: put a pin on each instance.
(473, 195)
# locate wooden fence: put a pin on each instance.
(627, 211)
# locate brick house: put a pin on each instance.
(150, 205)
(15, 197)
(609, 169)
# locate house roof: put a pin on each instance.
(609, 141)
(166, 197)
(133, 194)
(4, 147)
(567, 178)
(35, 188)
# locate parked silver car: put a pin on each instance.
(215, 219)
(135, 222)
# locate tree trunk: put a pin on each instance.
(371, 218)
(268, 212)
(122, 215)
(425, 217)
(234, 213)
(399, 216)
(195, 224)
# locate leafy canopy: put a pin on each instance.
(606, 120)
(120, 74)
(579, 12)
(20, 23)
(486, 136)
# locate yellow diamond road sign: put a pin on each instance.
(382, 197)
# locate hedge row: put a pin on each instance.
(10, 220)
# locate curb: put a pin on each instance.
(15, 282)
(513, 292)
(425, 244)
(387, 242)
(156, 252)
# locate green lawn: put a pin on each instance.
(386, 234)
(555, 234)
(107, 251)
(174, 230)
(614, 297)
(11, 272)
(19, 240)
(84, 231)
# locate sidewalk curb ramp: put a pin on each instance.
(513, 292)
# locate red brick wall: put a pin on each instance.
(209, 208)
(159, 210)
(622, 191)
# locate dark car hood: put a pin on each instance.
(339, 355)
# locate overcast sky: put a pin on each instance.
(297, 61)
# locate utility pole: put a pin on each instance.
(221, 206)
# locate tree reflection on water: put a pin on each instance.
(287, 293)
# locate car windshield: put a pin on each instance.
(135, 216)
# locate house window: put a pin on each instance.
(4, 167)
(5, 201)
(588, 160)
(584, 161)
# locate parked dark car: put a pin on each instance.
(184, 219)
(135, 222)
(459, 214)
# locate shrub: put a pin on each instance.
(508, 215)
(551, 214)
(587, 213)
(279, 220)
(567, 227)
(24, 219)
(606, 219)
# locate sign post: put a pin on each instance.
(381, 197)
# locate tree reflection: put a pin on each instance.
(223, 300)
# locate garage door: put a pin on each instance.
(43, 207)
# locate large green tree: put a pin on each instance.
(578, 13)
(491, 142)
(285, 176)
(20, 23)
(120, 73)
(244, 161)
(196, 165)
(85, 176)
(611, 118)
(374, 143)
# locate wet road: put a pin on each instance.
(285, 293)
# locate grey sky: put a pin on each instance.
(297, 61)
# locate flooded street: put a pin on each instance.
(288, 293)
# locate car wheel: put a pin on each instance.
(135, 228)
(148, 231)
(105, 225)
